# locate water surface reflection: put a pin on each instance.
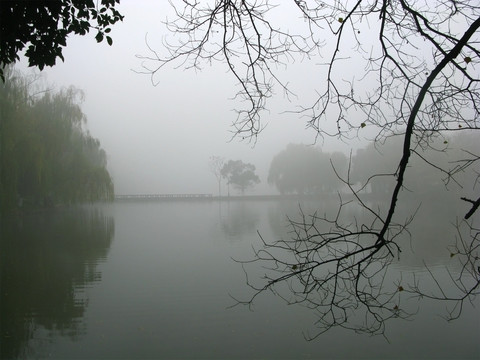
(154, 279)
(48, 260)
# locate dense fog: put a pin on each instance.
(159, 139)
(129, 152)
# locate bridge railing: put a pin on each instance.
(162, 196)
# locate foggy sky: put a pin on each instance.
(159, 138)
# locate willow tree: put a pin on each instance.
(399, 68)
(46, 154)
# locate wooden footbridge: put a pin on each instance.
(164, 197)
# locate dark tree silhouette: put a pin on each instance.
(45, 25)
(400, 68)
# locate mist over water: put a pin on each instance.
(155, 279)
(156, 272)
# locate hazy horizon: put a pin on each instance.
(159, 138)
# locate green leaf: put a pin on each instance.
(99, 37)
(109, 40)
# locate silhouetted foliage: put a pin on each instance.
(45, 26)
(395, 68)
(240, 175)
(46, 155)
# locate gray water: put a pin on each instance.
(157, 279)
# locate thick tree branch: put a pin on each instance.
(475, 205)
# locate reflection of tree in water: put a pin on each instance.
(46, 259)
(431, 228)
(310, 264)
(431, 232)
(280, 211)
(291, 209)
(238, 220)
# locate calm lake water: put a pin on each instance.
(156, 280)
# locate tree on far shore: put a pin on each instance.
(241, 175)
(305, 169)
(215, 166)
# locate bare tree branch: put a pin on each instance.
(403, 68)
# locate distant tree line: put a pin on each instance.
(441, 164)
(305, 169)
(47, 156)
